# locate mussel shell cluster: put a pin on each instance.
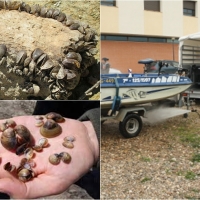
(61, 74)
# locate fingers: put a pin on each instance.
(45, 185)
(12, 187)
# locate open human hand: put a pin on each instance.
(51, 179)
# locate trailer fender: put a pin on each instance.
(124, 111)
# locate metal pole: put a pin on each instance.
(173, 47)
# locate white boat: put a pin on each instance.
(134, 89)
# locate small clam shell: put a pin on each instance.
(69, 22)
(68, 144)
(39, 122)
(43, 142)
(36, 54)
(54, 159)
(28, 153)
(47, 65)
(23, 134)
(25, 175)
(61, 73)
(69, 138)
(20, 57)
(55, 116)
(65, 157)
(2, 4)
(71, 63)
(25, 71)
(42, 59)
(74, 26)
(50, 129)
(27, 61)
(61, 17)
(43, 12)
(49, 13)
(36, 89)
(32, 66)
(37, 148)
(3, 50)
(9, 167)
(55, 13)
(72, 55)
(12, 5)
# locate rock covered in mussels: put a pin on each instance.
(60, 69)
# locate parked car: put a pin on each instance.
(165, 66)
(114, 71)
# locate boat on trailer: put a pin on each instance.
(140, 88)
(124, 96)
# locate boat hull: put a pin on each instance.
(141, 90)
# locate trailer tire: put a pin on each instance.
(130, 126)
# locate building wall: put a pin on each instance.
(129, 17)
(125, 55)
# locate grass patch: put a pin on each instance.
(190, 175)
(146, 179)
(145, 159)
(180, 173)
(196, 158)
(188, 135)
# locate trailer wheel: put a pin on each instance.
(130, 126)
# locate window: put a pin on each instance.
(138, 38)
(152, 5)
(189, 8)
(151, 39)
(108, 2)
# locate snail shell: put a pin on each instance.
(39, 123)
(10, 123)
(25, 175)
(65, 157)
(68, 144)
(50, 129)
(43, 142)
(54, 159)
(23, 134)
(8, 139)
(37, 148)
(55, 116)
(69, 138)
(28, 153)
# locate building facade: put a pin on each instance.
(132, 30)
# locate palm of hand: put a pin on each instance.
(50, 179)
